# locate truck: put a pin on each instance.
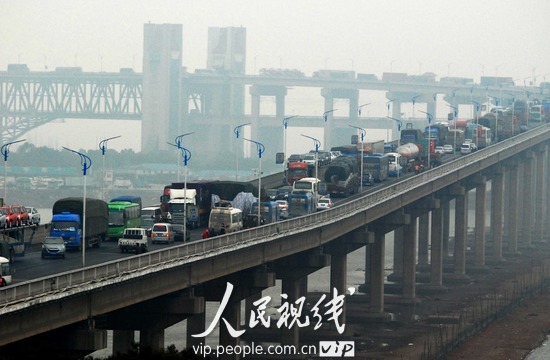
(371, 147)
(69, 218)
(343, 177)
(133, 240)
(206, 191)
(296, 170)
(417, 154)
(11, 247)
(182, 207)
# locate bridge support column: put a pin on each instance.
(513, 206)
(409, 261)
(377, 273)
(446, 228)
(397, 274)
(196, 324)
(461, 226)
(232, 314)
(338, 279)
(480, 222)
(546, 196)
(152, 337)
(436, 259)
(423, 239)
(497, 190)
(527, 201)
(122, 341)
(291, 286)
(539, 195)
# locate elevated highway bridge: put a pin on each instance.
(167, 286)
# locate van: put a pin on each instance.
(466, 148)
(162, 233)
(224, 220)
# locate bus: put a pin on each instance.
(149, 216)
(301, 204)
(122, 215)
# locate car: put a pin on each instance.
(474, 146)
(53, 246)
(283, 208)
(3, 220)
(324, 203)
(309, 159)
(178, 233)
(439, 150)
(12, 220)
(448, 149)
(34, 215)
(22, 214)
(466, 148)
(295, 157)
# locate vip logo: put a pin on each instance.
(336, 348)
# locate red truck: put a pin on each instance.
(296, 170)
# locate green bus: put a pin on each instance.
(122, 215)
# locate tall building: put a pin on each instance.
(162, 66)
(227, 49)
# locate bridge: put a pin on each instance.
(31, 99)
(167, 286)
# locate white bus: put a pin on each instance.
(5, 272)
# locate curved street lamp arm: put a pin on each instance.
(325, 114)
(359, 108)
(399, 122)
(85, 160)
(363, 131)
(237, 129)
(179, 137)
(413, 100)
(316, 142)
(103, 144)
(6, 148)
(285, 120)
(259, 146)
(186, 154)
(430, 117)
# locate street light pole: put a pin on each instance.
(363, 133)
(178, 145)
(103, 148)
(186, 157)
(86, 163)
(399, 125)
(387, 126)
(237, 132)
(477, 107)
(430, 117)
(285, 125)
(317, 145)
(261, 148)
(5, 151)
(455, 114)
(361, 106)
(413, 100)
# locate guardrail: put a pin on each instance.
(32, 292)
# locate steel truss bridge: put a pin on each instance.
(31, 99)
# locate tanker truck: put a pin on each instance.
(410, 155)
(342, 176)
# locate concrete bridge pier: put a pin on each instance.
(527, 201)
(481, 186)
(446, 228)
(423, 240)
(436, 259)
(546, 208)
(513, 205)
(497, 191)
(460, 236)
(293, 272)
(338, 135)
(539, 194)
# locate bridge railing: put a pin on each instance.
(63, 284)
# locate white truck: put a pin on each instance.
(133, 240)
(181, 201)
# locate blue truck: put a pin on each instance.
(68, 221)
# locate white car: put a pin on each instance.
(324, 203)
(440, 150)
(466, 148)
(448, 149)
(34, 215)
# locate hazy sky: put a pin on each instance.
(449, 38)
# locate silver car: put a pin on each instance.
(53, 246)
(34, 215)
